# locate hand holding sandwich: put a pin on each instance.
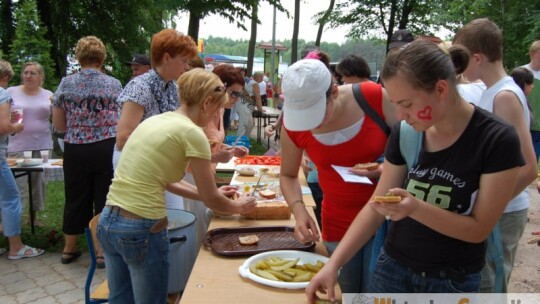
(396, 205)
(369, 170)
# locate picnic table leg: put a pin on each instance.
(30, 202)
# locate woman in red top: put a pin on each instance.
(326, 122)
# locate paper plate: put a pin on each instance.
(30, 162)
(305, 257)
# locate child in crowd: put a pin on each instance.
(504, 98)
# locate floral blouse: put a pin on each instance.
(151, 92)
(89, 100)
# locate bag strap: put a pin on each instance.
(410, 143)
(359, 96)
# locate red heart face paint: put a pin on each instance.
(425, 114)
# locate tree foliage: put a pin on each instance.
(518, 20)
(125, 27)
(7, 27)
(235, 11)
(30, 44)
(372, 50)
(322, 20)
(380, 18)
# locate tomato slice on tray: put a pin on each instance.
(259, 160)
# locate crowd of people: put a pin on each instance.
(449, 98)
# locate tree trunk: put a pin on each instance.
(252, 39)
(323, 21)
(391, 24)
(6, 22)
(193, 26)
(45, 13)
(294, 41)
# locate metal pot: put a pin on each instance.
(182, 250)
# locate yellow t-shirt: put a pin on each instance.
(157, 153)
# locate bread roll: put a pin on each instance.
(248, 240)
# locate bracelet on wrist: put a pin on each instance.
(293, 204)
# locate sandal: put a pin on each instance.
(26, 252)
(100, 264)
(72, 256)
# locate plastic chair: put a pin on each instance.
(101, 294)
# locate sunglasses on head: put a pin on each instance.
(220, 89)
(235, 94)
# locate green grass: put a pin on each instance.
(50, 236)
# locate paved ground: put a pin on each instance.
(45, 280)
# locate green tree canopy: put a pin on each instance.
(30, 44)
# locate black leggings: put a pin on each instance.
(88, 174)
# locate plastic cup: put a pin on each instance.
(44, 155)
(27, 154)
(20, 112)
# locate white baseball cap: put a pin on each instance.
(305, 84)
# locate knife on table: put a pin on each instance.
(238, 138)
(257, 185)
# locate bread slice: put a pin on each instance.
(367, 166)
(268, 194)
(248, 240)
(387, 198)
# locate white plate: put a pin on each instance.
(30, 162)
(305, 257)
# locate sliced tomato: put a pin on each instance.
(259, 160)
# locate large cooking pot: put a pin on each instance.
(182, 250)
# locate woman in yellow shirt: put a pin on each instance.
(132, 225)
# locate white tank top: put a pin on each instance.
(521, 201)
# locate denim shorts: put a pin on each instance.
(391, 277)
(137, 260)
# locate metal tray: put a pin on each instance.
(224, 241)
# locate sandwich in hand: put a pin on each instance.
(367, 166)
(388, 198)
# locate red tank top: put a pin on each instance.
(342, 201)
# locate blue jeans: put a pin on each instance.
(137, 260)
(354, 277)
(512, 225)
(392, 277)
(10, 201)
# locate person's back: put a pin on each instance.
(89, 114)
(504, 98)
(132, 184)
(472, 91)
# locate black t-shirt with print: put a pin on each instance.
(449, 179)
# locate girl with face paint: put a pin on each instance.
(448, 203)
